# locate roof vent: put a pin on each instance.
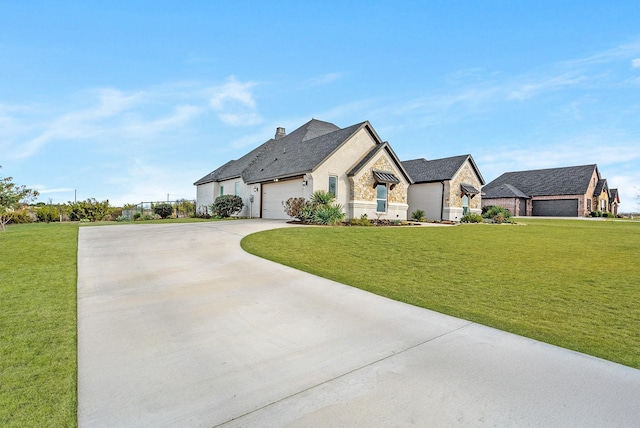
(280, 133)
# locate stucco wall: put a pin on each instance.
(204, 195)
(339, 164)
(426, 197)
(207, 193)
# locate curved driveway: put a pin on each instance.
(178, 327)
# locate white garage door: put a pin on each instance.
(274, 195)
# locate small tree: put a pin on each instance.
(11, 195)
(164, 210)
(227, 205)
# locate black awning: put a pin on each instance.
(385, 177)
(468, 189)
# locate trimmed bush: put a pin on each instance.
(164, 210)
(226, 206)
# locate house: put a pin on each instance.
(445, 189)
(614, 201)
(573, 191)
(353, 163)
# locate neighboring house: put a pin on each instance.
(573, 191)
(353, 163)
(445, 189)
(614, 201)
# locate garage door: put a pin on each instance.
(556, 208)
(274, 195)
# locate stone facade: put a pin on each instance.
(364, 189)
(466, 175)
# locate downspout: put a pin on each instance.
(442, 203)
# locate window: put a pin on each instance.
(589, 204)
(381, 197)
(221, 190)
(333, 185)
(237, 188)
(465, 205)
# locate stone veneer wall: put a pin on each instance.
(454, 196)
(363, 188)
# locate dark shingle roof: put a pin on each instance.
(573, 180)
(424, 171)
(613, 195)
(367, 157)
(292, 156)
(296, 153)
(601, 187)
(503, 191)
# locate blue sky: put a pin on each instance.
(134, 101)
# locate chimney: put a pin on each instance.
(280, 133)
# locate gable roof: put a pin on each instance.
(292, 156)
(601, 187)
(573, 180)
(424, 171)
(614, 195)
(375, 150)
(503, 191)
(295, 154)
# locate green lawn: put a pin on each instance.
(571, 283)
(38, 325)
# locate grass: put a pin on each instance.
(571, 283)
(38, 325)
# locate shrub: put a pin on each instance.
(227, 205)
(596, 213)
(328, 214)
(164, 210)
(496, 213)
(321, 197)
(137, 216)
(362, 221)
(48, 213)
(121, 218)
(21, 215)
(471, 218)
(418, 215)
(294, 206)
(202, 212)
(90, 209)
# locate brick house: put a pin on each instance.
(573, 191)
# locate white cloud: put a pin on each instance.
(232, 91)
(635, 63)
(234, 103)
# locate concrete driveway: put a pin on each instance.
(178, 327)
